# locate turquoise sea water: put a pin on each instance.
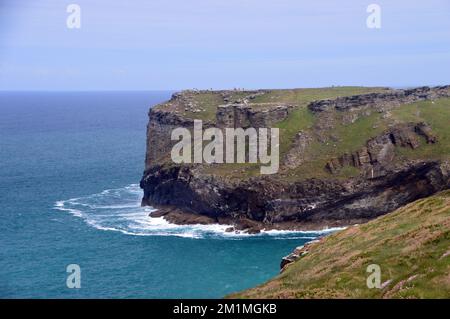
(69, 168)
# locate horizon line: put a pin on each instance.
(218, 89)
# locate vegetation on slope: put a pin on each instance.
(437, 114)
(411, 246)
(346, 138)
(353, 136)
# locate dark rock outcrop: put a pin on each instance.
(425, 130)
(307, 204)
(297, 253)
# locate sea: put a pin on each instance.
(70, 165)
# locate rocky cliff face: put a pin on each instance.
(375, 159)
(309, 204)
(159, 130)
(239, 113)
(383, 184)
(243, 115)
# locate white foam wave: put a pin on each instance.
(120, 210)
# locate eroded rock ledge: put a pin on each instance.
(380, 100)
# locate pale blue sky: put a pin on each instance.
(179, 44)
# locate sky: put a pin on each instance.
(183, 44)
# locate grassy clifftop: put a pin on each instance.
(203, 105)
(411, 246)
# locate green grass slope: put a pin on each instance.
(411, 246)
(353, 136)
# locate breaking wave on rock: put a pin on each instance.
(120, 210)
